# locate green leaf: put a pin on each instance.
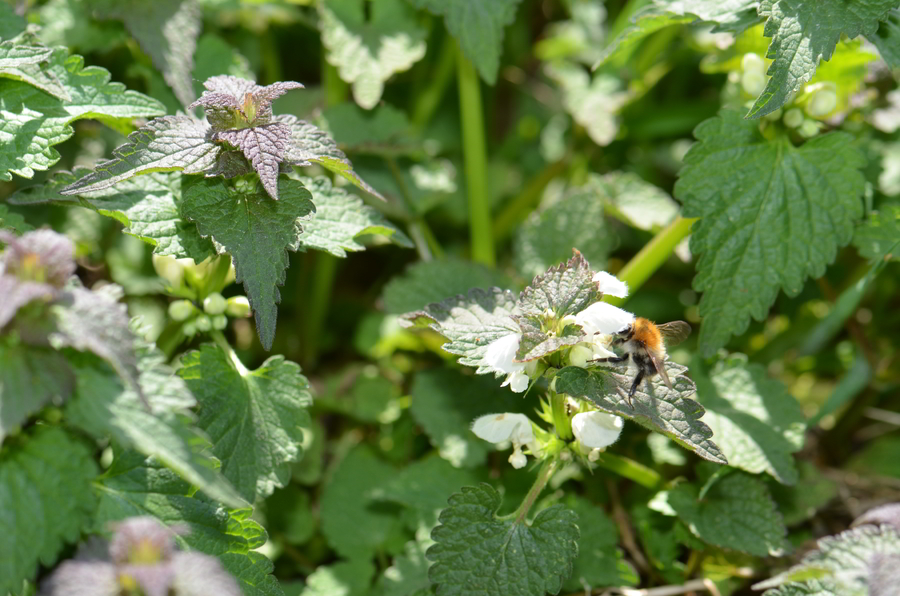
(15, 55)
(593, 102)
(566, 289)
(477, 553)
(168, 144)
(878, 236)
(311, 145)
(147, 206)
(215, 57)
(167, 30)
(478, 27)
(470, 322)
(736, 512)
(351, 524)
(255, 418)
(664, 410)
(887, 39)
(548, 236)
(290, 514)
(772, 215)
(368, 48)
(600, 562)
(30, 377)
(11, 24)
(643, 205)
(346, 578)
(445, 403)
(255, 230)
(879, 458)
(103, 407)
(45, 501)
(802, 35)
(33, 121)
(758, 424)
(383, 131)
(408, 576)
(841, 564)
(800, 502)
(25, 59)
(12, 221)
(342, 217)
(134, 486)
(433, 281)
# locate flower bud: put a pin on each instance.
(822, 102)
(214, 304)
(238, 306)
(181, 310)
(808, 129)
(596, 430)
(753, 63)
(171, 269)
(203, 323)
(753, 82)
(518, 459)
(773, 116)
(793, 118)
(580, 355)
(219, 322)
(189, 328)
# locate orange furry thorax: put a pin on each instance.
(647, 333)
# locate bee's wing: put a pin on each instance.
(674, 332)
(659, 364)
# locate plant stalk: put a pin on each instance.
(628, 468)
(543, 478)
(560, 416)
(429, 98)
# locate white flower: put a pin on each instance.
(596, 430)
(604, 318)
(500, 354)
(610, 284)
(499, 428)
(517, 459)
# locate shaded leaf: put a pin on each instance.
(879, 236)
(600, 562)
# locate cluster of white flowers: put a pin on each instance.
(516, 428)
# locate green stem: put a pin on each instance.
(271, 57)
(475, 158)
(324, 273)
(425, 240)
(336, 90)
(560, 417)
(429, 98)
(543, 478)
(628, 468)
(652, 256)
(226, 347)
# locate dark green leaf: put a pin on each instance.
(600, 562)
(878, 237)
(30, 377)
(566, 289)
(887, 39)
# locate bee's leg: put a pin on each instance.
(614, 359)
(637, 381)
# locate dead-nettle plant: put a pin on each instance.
(239, 197)
(554, 338)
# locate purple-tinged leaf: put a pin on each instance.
(227, 94)
(264, 146)
(42, 256)
(16, 293)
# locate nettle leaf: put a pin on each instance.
(167, 144)
(802, 35)
(167, 30)
(264, 148)
(432, 281)
(736, 512)
(444, 404)
(772, 215)
(255, 419)
(664, 410)
(135, 486)
(347, 578)
(368, 49)
(312, 145)
(536, 343)
(147, 206)
(477, 553)
(351, 524)
(593, 102)
(566, 289)
(879, 235)
(11, 24)
(645, 206)
(600, 562)
(758, 424)
(103, 407)
(842, 564)
(728, 15)
(18, 61)
(887, 39)
(800, 502)
(45, 501)
(478, 27)
(548, 236)
(30, 377)
(385, 130)
(33, 121)
(13, 221)
(341, 218)
(408, 576)
(14, 54)
(255, 230)
(470, 322)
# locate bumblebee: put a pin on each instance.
(645, 343)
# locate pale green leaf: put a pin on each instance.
(134, 486)
(146, 205)
(433, 281)
(664, 410)
(878, 236)
(476, 553)
(255, 230)
(645, 206)
(340, 219)
(478, 27)
(803, 34)
(408, 576)
(772, 215)
(11, 24)
(383, 131)
(255, 419)
(600, 562)
(736, 513)
(757, 423)
(25, 59)
(593, 102)
(45, 501)
(30, 377)
(368, 49)
(345, 578)
(352, 526)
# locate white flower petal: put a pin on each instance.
(497, 428)
(610, 284)
(518, 381)
(580, 354)
(596, 430)
(501, 352)
(518, 459)
(601, 317)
